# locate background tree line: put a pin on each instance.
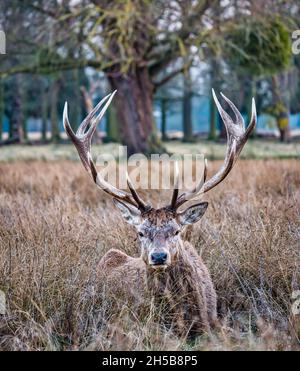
(58, 50)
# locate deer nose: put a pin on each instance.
(159, 257)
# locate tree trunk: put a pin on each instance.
(75, 113)
(134, 105)
(212, 135)
(1, 108)
(282, 112)
(44, 114)
(54, 89)
(216, 83)
(88, 101)
(187, 110)
(112, 126)
(24, 136)
(16, 130)
(164, 136)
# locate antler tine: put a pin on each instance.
(253, 120)
(76, 140)
(238, 116)
(176, 186)
(142, 205)
(237, 137)
(87, 121)
(189, 195)
(82, 142)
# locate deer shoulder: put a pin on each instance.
(121, 270)
(113, 259)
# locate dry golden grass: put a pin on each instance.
(55, 225)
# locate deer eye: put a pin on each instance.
(177, 232)
(141, 234)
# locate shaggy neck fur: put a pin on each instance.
(176, 293)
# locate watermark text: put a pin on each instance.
(296, 303)
(155, 173)
(2, 303)
(2, 42)
(296, 42)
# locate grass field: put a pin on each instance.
(55, 225)
(255, 149)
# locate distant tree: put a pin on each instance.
(44, 112)
(295, 79)
(1, 108)
(215, 72)
(215, 77)
(17, 115)
(164, 105)
(139, 44)
(187, 107)
(262, 48)
(167, 96)
(53, 96)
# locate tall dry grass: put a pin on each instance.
(55, 226)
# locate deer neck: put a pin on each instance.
(173, 278)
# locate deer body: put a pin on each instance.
(181, 282)
(185, 288)
(169, 270)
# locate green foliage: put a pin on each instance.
(277, 110)
(47, 59)
(126, 29)
(259, 47)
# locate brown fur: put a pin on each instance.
(184, 288)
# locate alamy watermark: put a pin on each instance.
(296, 303)
(156, 172)
(2, 302)
(296, 42)
(2, 42)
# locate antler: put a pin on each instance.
(82, 141)
(237, 136)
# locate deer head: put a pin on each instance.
(159, 229)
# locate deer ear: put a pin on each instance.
(131, 214)
(193, 213)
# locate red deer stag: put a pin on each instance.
(169, 269)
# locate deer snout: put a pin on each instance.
(159, 258)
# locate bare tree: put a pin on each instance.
(139, 44)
